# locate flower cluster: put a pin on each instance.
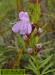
(25, 28)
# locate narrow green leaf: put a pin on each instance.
(53, 70)
(47, 67)
(44, 62)
(21, 41)
(33, 65)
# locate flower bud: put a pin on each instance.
(33, 27)
(30, 51)
(28, 35)
(38, 47)
(39, 31)
(25, 39)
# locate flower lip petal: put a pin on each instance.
(15, 28)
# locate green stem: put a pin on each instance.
(18, 5)
(37, 65)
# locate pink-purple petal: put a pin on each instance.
(16, 27)
(29, 28)
(24, 16)
(23, 26)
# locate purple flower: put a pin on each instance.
(16, 27)
(24, 16)
(39, 31)
(23, 26)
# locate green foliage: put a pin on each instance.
(35, 65)
(7, 53)
(1, 41)
(50, 5)
(6, 4)
(40, 65)
(35, 11)
(21, 41)
(35, 40)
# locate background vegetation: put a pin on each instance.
(11, 56)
